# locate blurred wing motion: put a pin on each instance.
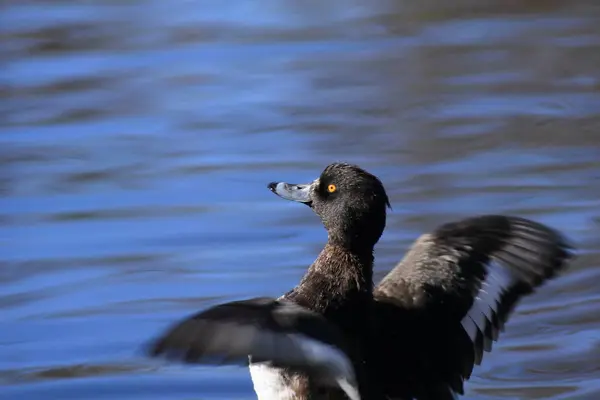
(277, 332)
(451, 295)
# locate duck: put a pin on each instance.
(416, 334)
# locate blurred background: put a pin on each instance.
(137, 138)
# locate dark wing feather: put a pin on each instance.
(269, 330)
(444, 304)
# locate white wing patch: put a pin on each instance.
(329, 357)
(497, 281)
(334, 360)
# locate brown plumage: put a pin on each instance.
(416, 335)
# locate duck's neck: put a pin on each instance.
(340, 279)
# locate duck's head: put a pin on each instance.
(350, 201)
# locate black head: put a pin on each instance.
(350, 201)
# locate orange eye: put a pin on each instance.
(331, 188)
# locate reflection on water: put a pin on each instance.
(137, 137)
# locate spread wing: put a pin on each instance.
(277, 332)
(444, 304)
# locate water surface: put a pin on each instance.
(137, 138)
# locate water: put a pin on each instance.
(137, 138)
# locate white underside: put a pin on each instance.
(269, 383)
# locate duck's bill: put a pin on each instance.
(301, 193)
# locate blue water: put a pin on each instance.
(137, 139)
